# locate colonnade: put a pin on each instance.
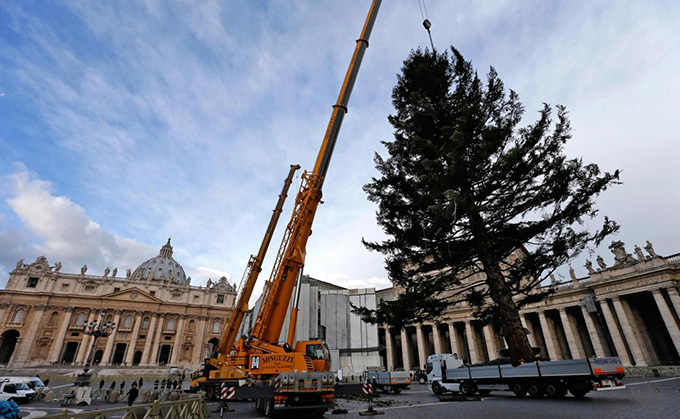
(642, 329)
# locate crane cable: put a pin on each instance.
(426, 21)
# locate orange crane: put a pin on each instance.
(287, 375)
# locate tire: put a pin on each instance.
(257, 405)
(269, 408)
(422, 380)
(536, 390)
(579, 390)
(210, 392)
(396, 390)
(468, 389)
(319, 413)
(484, 393)
(556, 390)
(519, 389)
(437, 388)
(578, 393)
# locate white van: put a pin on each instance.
(15, 390)
(34, 383)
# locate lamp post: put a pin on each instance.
(96, 329)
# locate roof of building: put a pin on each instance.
(161, 268)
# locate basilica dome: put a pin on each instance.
(161, 268)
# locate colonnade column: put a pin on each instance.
(198, 344)
(157, 339)
(405, 350)
(675, 298)
(389, 350)
(149, 339)
(57, 345)
(528, 326)
(572, 342)
(472, 342)
(668, 318)
(594, 334)
(133, 340)
(548, 336)
(25, 349)
(178, 340)
(453, 338)
(422, 351)
(106, 358)
(628, 332)
(619, 345)
(85, 342)
(437, 339)
(491, 346)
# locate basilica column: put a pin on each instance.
(149, 339)
(389, 350)
(668, 318)
(528, 326)
(629, 333)
(491, 347)
(594, 334)
(619, 345)
(133, 339)
(106, 358)
(198, 344)
(58, 343)
(85, 342)
(472, 342)
(25, 349)
(437, 339)
(422, 350)
(178, 340)
(453, 338)
(406, 350)
(572, 341)
(157, 339)
(548, 336)
(675, 298)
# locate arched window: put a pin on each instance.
(127, 322)
(19, 316)
(80, 320)
(216, 327)
(170, 325)
(53, 319)
(191, 326)
(145, 323)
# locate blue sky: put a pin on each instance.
(124, 122)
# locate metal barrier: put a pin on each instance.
(189, 408)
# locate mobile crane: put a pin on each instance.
(289, 375)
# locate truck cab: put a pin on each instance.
(436, 365)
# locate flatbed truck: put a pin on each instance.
(552, 378)
(388, 381)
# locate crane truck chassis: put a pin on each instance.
(552, 378)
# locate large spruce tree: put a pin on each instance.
(476, 209)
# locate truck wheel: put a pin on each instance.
(484, 393)
(437, 388)
(468, 389)
(579, 390)
(396, 390)
(422, 380)
(536, 390)
(556, 390)
(210, 392)
(520, 390)
(269, 408)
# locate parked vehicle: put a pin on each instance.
(386, 381)
(15, 390)
(552, 378)
(34, 383)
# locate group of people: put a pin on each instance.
(132, 394)
(169, 384)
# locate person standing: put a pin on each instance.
(113, 385)
(141, 382)
(122, 385)
(132, 394)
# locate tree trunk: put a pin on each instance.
(508, 314)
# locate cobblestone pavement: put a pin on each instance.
(643, 398)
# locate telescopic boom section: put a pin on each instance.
(291, 257)
(253, 271)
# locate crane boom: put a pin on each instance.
(253, 271)
(292, 252)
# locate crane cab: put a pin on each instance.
(318, 352)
